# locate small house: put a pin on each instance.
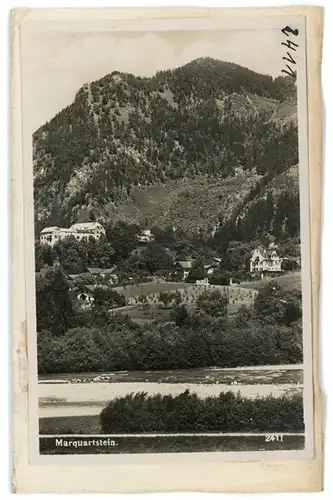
(103, 273)
(86, 295)
(145, 236)
(184, 266)
(211, 268)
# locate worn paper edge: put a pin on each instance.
(296, 475)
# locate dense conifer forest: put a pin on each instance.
(183, 135)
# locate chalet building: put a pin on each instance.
(211, 268)
(51, 235)
(86, 295)
(265, 262)
(104, 273)
(184, 266)
(145, 236)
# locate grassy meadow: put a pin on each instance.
(290, 281)
(154, 311)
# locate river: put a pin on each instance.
(87, 394)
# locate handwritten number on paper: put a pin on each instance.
(291, 45)
(290, 71)
(289, 58)
(288, 30)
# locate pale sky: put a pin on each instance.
(61, 63)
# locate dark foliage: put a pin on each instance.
(276, 306)
(174, 125)
(107, 298)
(43, 256)
(55, 311)
(109, 343)
(220, 278)
(213, 303)
(189, 413)
(179, 315)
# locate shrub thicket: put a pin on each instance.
(199, 341)
(189, 413)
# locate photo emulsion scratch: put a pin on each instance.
(167, 239)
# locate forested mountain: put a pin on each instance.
(167, 149)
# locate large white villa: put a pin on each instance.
(265, 261)
(50, 235)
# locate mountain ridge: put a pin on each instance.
(123, 134)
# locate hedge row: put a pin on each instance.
(189, 413)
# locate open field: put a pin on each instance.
(237, 297)
(142, 315)
(288, 282)
(150, 288)
(178, 443)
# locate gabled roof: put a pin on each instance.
(49, 229)
(270, 253)
(185, 264)
(212, 264)
(98, 270)
(217, 259)
(266, 254)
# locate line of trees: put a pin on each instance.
(72, 340)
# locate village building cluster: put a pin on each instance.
(263, 261)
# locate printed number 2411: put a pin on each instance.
(273, 437)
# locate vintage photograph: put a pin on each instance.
(169, 249)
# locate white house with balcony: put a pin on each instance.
(265, 261)
(81, 230)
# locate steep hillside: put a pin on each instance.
(190, 204)
(269, 208)
(163, 146)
